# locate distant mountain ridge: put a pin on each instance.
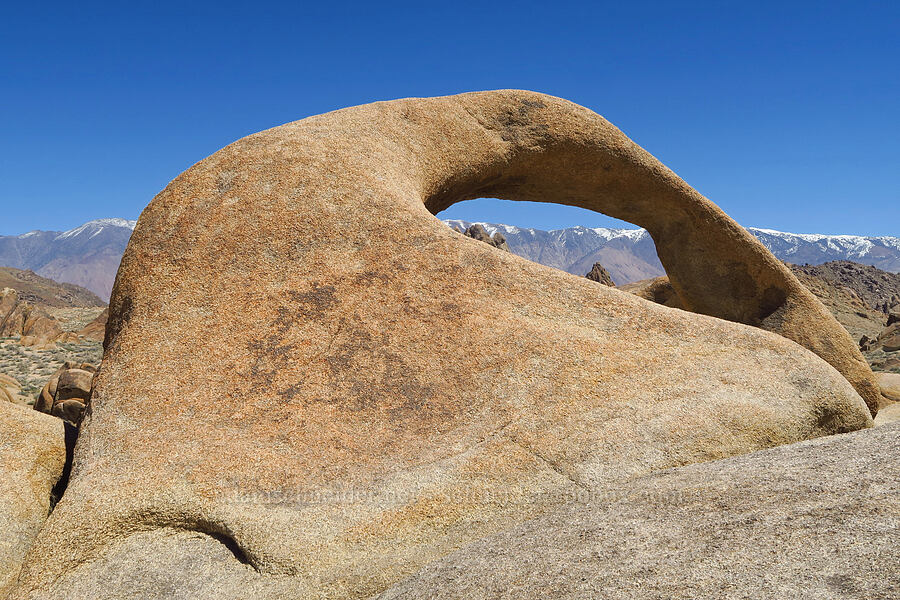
(87, 255)
(45, 292)
(630, 254)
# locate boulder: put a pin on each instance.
(9, 389)
(658, 290)
(6, 394)
(866, 343)
(33, 325)
(478, 232)
(68, 410)
(32, 457)
(888, 414)
(889, 339)
(96, 329)
(303, 411)
(600, 275)
(44, 401)
(41, 326)
(888, 363)
(74, 383)
(817, 520)
(66, 393)
(889, 383)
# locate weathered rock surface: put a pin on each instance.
(9, 389)
(817, 519)
(889, 339)
(657, 290)
(96, 329)
(888, 414)
(478, 232)
(20, 318)
(304, 409)
(600, 275)
(889, 383)
(840, 295)
(32, 457)
(878, 289)
(66, 393)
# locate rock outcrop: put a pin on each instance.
(890, 362)
(657, 290)
(302, 411)
(890, 385)
(851, 300)
(888, 414)
(600, 275)
(878, 289)
(40, 291)
(96, 329)
(889, 339)
(67, 392)
(9, 389)
(820, 516)
(478, 232)
(20, 318)
(32, 457)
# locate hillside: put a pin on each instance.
(878, 289)
(42, 291)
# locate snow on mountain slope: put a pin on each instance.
(630, 255)
(94, 228)
(812, 248)
(87, 255)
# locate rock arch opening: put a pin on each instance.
(515, 145)
(570, 239)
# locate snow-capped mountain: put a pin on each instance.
(813, 248)
(630, 255)
(92, 229)
(87, 255)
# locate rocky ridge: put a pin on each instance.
(876, 288)
(600, 275)
(47, 293)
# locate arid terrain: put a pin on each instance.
(71, 323)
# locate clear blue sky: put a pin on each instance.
(786, 114)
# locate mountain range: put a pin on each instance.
(630, 254)
(89, 255)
